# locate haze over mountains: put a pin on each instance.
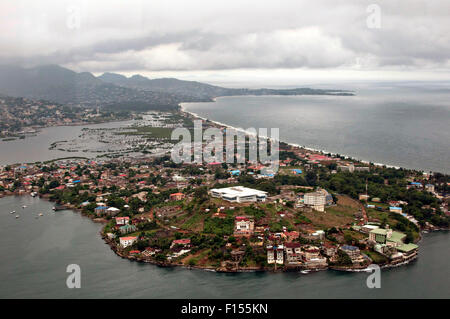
(115, 91)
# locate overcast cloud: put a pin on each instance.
(132, 36)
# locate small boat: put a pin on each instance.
(24, 206)
(11, 212)
(305, 271)
(17, 216)
(33, 194)
(41, 214)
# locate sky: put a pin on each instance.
(231, 41)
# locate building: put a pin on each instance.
(317, 200)
(271, 255)
(182, 242)
(429, 188)
(100, 210)
(310, 252)
(150, 251)
(177, 196)
(235, 172)
(239, 194)
(352, 251)
(243, 226)
(408, 250)
(127, 241)
(380, 235)
(293, 254)
(112, 211)
(347, 168)
(126, 229)
(122, 220)
(275, 255)
(329, 250)
(312, 258)
(395, 209)
(367, 228)
(363, 197)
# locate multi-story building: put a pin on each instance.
(122, 220)
(353, 252)
(293, 254)
(318, 199)
(275, 254)
(243, 226)
(127, 241)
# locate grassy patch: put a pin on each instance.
(194, 223)
(336, 216)
(376, 257)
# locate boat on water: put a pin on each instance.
(24, 206)
(40, 214)
(58, 207)
(17, 216)
(305, 271)
(33, 194)
(11, 212)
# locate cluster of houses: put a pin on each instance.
(388, 242)
(178, 247)
(135, 176)
(293, 254)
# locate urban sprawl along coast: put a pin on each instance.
(317, 211)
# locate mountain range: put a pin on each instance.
(115, 91)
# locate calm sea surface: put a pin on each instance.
(36, 148)
(407, 126)
(36, 251)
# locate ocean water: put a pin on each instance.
(36, 252)
(399, 125)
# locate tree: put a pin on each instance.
(201, 193)
(343, 258)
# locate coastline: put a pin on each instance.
(114, 247)
(133, 258)
(321, 151)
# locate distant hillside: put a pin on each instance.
(202, 91)
(55, 83)
(58, 84)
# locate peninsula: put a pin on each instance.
(317, 211)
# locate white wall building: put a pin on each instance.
(127, 241)
(239, 194)
(275, 254)
(316, 200)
